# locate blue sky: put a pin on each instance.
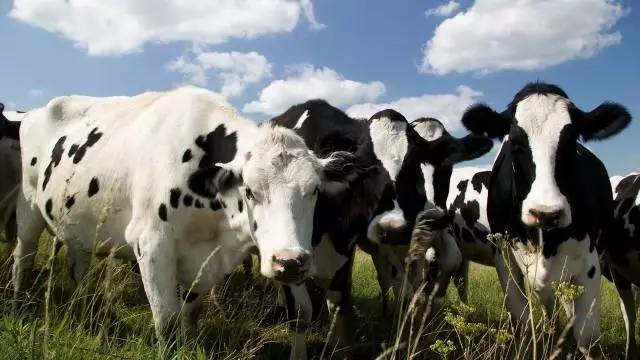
(360, 54)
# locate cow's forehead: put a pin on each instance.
(429, 129)
(390, 143)
(278, 157)
(542, 115)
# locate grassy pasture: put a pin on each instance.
(240, 320)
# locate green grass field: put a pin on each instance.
(238, 322)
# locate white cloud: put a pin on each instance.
(306, 82)
(445, 9)
(447, 108)
(233, 70)
(497, 35)
(108, 27)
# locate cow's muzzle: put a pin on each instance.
(290, 266)
(546, 219)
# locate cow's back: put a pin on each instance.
(98, 163)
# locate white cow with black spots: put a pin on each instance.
(176, 180)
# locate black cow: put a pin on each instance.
(380, 204)
(9, 174)
(551, 195)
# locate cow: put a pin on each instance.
(389, 259)
(622, 258)
(177, 181)
(379, 206)
(10, 170)
(551, 196)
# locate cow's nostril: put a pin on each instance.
(546, 218)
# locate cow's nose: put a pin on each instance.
(290, 266)
(546, 219)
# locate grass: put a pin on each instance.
(240, 321)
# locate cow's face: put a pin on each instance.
(418, 158)
(277, 184)
(543, 128)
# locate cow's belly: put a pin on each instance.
(572, 259)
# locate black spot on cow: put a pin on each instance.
(470, 213)
(70, 201)
(187, 200)
(240, 205)
(458, 202)
(479, 179)
(48, 208)
(591, 272)
(94, 187)
(199, 204)
(56, 156)
(189, 296)
(174, 197)
(73, 149)
(34, 160)
(218, 146)
(162, 212)
(187, 156)
(255, 226)
(215, 205)
(92, 138)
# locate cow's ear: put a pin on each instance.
(210, 181)
(448, 150)
(341, 168)
(482, 120)
(602, 122)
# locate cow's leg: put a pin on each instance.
(299, 313)
(586, 327)
(461, 281)
(340, 306)
(628, 309)
(11, 233)
(155, 252)
(191, 308)
(30, 225)
(384, 271)
(78, 260)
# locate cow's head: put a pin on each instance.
(543, 128)
(277, 182)
(418, 158)
(8, 129)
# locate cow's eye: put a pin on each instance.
(249, 194)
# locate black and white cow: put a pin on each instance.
(551, 195)
(9, 172)
(622, 258)
(389, 259)
(176, 180)
(381, 204)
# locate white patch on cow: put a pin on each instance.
(390, 143)
(387, 221)
(430, 255)
(427, 172)
(542, 117)
(573, 259)
(301, 120)
(429, 130)
(327, 260)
